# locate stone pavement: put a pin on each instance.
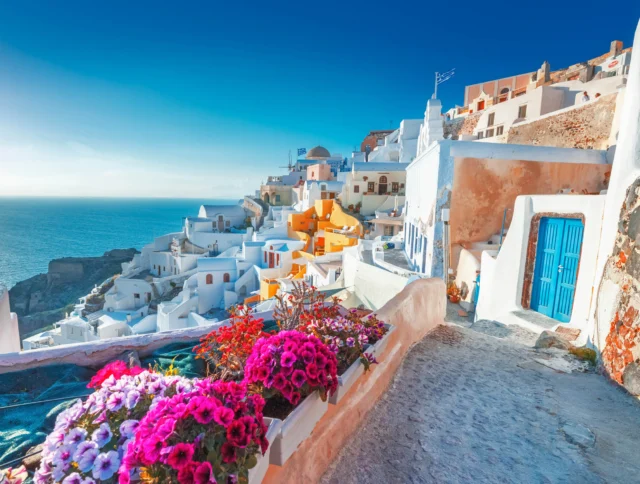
(471, 404)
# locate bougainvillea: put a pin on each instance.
(227, 348)
(293, 365)
(211, 434)
(115, 369)
(90, 438)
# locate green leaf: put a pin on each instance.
(251, 461)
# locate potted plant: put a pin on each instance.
(90, 437)
(453, 292)
(214, 433)
(295, 372)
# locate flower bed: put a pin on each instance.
(273, 430)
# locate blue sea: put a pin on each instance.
(34, 231)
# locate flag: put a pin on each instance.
(444, 76)
(301, 151)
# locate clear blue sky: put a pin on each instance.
(202, 99)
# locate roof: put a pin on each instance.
(210, 211)
(332, 185)
(318, 152)
(206, 264)
(364, 166)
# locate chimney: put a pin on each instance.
(433, 122)
(616, 48)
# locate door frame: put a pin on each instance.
(532, 248)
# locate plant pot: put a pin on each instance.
(378, 348)
(454, 299)
(346, 380)
(257, 473)
(298, 425)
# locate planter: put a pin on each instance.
(378, 348)
(346, 380)
(257, 473)
(297, 427)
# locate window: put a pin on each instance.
(313, 173)
(489, 133)
(209, 279)
(504, 90)
(401, 185)
(499, 130)
(154, 267)
(388, 230)
(227, 223)
(136, 295)
(323, 187)
(278, 259)
(394, 187)
(522, 111)
(265, 257)
(383, 179)
(356, 189)
(226, 277)
(164, 268)
(480, 105)
(480, 135)
(277, 198)
(491, 120)
(371, 187)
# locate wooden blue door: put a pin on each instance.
(556, 267)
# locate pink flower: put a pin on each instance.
(180, 456)
(223, 416)
(185, 474)
(204, 473)
(204, 413)
(308, 357)
(321, 360)
(287, 390)
(287, 359)
(312, 370)
(235, 433)
(279, 381)
(151, 448)
(295, 398)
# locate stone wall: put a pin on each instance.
(453, 129)
(585, 127)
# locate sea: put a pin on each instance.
(34, 231)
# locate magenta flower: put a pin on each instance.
(204, 411)
(288, 359)
(228, 453)
(223, 416)
(204, 473)
(235, 433)
(298, 378)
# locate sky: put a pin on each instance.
(205, 99)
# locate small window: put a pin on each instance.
(136, 295)
(209, 279)
(154, 266)
(489, 133)
(356, 189)
(278, 259)
(499, 130)
(491, 120)
(227, 223)
(313, 173)
(401, 185)
(371, 187)
(265, 257)
(277, 198)
(522, 111)
(164, 268)
(226, 277)
(480, 135)
(394, 187)
(323, 187)
(383, 179)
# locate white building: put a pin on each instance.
(9, 331)
(318, 190)
(399, 146)
(373, 186)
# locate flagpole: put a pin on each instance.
(435, 92)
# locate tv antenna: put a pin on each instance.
(290, 165)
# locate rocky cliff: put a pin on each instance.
(44, 299)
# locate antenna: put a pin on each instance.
(290, 165)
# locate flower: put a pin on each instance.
(14, 476)
(180, 456)
(128, 428)
(235, 433)
(115, 401)
(298, 378)
(73, 478)
(228, 453)
(288, 359)
(75, 436)
(102, 435)
(105, 465)
(86, 460)
(204, 412)
(204, 473)
(223, 416)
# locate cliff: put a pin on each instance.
(44, 299)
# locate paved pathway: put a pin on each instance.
(470, 405)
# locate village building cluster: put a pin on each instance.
(504, 198)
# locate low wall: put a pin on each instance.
(415, 311)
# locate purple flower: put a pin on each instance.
(88, 480)
(63, 455)
(73, 478)
(287, 359)
(83, 447)
(132, 399)
(106, 465)
(102, 435)
(87, 459)
(54, 440)
(59, 471)
(128, 428)
(75, 436)
(115, 401)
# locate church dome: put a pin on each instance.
(318, 152)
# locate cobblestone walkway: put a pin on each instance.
(467, 407)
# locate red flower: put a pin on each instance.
(204, 473)
(228, 453)
(235, 433)
(181, 455)
(223, 416)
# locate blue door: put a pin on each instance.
(556, 267)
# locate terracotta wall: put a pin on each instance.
(586, 127)
(483, 188)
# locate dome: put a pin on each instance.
(317, 153)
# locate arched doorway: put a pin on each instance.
(382, 185)
(266, 197)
